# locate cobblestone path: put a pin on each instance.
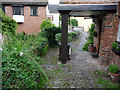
(79, 72)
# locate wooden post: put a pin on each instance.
(64, 55)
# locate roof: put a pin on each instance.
(25, 2)
(84, 9)
(87, 1)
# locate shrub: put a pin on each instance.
(85, 48)
(19, 64)
(116, 46)
(90, 38)
(113, 68)
(8, 25)
(46, 24)
(50, 35)
(74, 22)
(71, 36)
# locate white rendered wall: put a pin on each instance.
(55, 16)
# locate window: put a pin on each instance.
(34, 11)
(118, 37)
(18, 10)
(3, 8)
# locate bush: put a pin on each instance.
(46, 24)
(74, 22)
(50, 35)
(85, 48)
(8, 25)
(19, 64)
(113, 68)
(71, 36)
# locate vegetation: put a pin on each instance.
(116, 46)
(71, 36)
(101, 81)
(46, 24)
(50, 35)
(113, 68)
(20, 55)
(90, 38)
(8, 24)
(74, 22)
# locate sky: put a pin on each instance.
(53, 1)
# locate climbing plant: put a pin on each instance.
(9, 25)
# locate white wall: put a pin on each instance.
(55, 16)
(86, 23)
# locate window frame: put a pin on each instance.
(3, 8)
(118, 36)
(21, 10)
(34, 13)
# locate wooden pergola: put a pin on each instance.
(80, 10)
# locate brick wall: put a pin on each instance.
(8, 11)
(108, 35)
(114, 59)
(31, 23)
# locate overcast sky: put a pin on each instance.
(53, 1)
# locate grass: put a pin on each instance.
(105, 82)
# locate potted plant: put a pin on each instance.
(114, 72)
(91, 48)
(116, 48)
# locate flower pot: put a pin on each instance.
(92, 49)
(115, 77)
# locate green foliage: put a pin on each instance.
(8, 25)
(90, 38)
(113, 68)
(74, 22)
(116, 46)
(105, 83)
(46, 24)
(58, 37)
(71, 36)
(85, 47)
(50, 35)
(19, 62)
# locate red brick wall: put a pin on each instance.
(114, 59)
(31, 23)
(108, 35)
(8, 11)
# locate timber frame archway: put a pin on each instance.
(95, 11)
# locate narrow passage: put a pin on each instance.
(79, 72)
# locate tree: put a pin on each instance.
(74, 22)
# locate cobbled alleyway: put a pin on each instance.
(79, 72)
